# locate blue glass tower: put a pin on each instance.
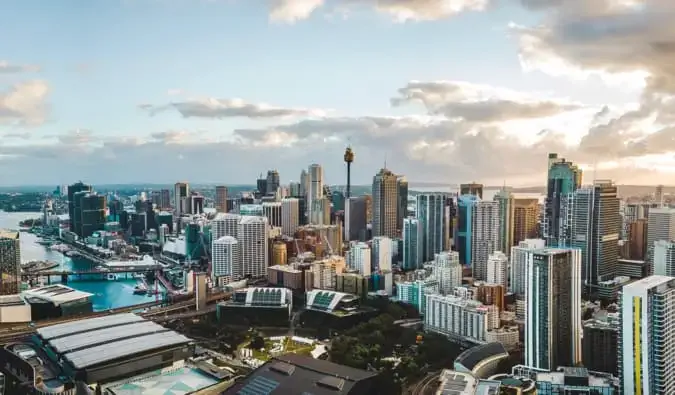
(466, 205)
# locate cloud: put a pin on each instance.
(228, 108)
(7, 68)
(24, 103)
(290, 11)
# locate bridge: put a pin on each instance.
(130, 269)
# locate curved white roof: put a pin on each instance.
(57, 294)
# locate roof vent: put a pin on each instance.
(333, 383)
(282, 368)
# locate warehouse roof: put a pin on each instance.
(57, 294)
(105, 335)
(68, 328)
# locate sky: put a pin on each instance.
(441, 91)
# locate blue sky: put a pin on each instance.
(102, 59)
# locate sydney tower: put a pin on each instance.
(349, 158)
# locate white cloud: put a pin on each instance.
(229, 108)
(7, 67)
(24, 103)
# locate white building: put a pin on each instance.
(225, 259)
(358, 258)
(447, 270)
(273, 212)
(497, 267)
(290, 216)
(664, 258)
(660, 226)
(382, 253)
(485, 234)
(315, 192)
(326, 270)
(520, 258)
(225, 224)
(253, 237)
(457, 317)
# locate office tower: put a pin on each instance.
(358, 258)
(253, 238)
(338, 201)
(563, 179)
(485, 236)
(521, 257)
(600, 344)
(225, 256)
(196, 204)
(466, 206)
(10, 262)
(75, 216)
(646, 353)
(592, 224)
(661, 226)
(165, 199)
(448, 271)
(194, 247)
(382, 253)
(273, 212)
(431, 211)
(402, 205)
(658, 196)
(272, 182)
(506, 219)
(261, 186)
(664, 258)
(304, 183)
(471, 189)
(412, 244)
(385, 203)
(294, 189)
(525, 220)
(181, 191)
(349, 158)
(92, 207)
(156, 198)
(637, 239)
(290, 216)
(553, 312)
(315, 193)
(497, 267)
(355, 218)
(221, 199)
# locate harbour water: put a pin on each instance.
(107, 294)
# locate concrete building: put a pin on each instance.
(221, 199)
(600, 344)
(356, 218)
(661, 227)
(664, 258)
(521, 257)
(525, 220)
(412, 244)
(637, 239)
(14, 309)
(290, 216)
(315, 193)
(647, 330)
(273, 212)
(181, 203)
(448, 271)
(456, 317)
(506, 202)
(497, 269)
(553, 316)
(415, 292)
(358, 258)
(485, 236)
(225, 225)
(385, 204)
(10, 262)
(382, 249)
(294, 278)
(325, 271)
(225, 260)
(253, 238)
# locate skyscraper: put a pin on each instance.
(402, 209)
(272, 182)
(75, 220)
(664, 258)
(525, 220)
(385, 203)
(466, 207)
(253, 238)
(553, 312)
(355, 218)
(448, 271)
(181, 191)
(359, 258)
(382, 253)
(563, 179)
(485, 236)
(315, 193)
(10, 262)
(225, 255)
(497, 266)
(221, 199)
(471, 189)
(273, 212)
(647, 332)
(661, 226)
(431, 211)
(506, 219)
(290, 216)
(521, 257)
(92, 208)
(412, 244)
(304, 184)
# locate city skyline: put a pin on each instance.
(480, 91)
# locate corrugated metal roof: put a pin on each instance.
(105, 336)
(91, 324)
(57, 294)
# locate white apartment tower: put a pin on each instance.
(225, 259)
(448, 271)
(521, 257)
(272, 210)
(664, 258)
(315, 192)
(382, 253)
(253, 237)
(358, 258)
(660, 226)
(485, 236)
(226, 224)
(290, 216)
(497, 267)
(646, 337)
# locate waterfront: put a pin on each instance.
(107, 294)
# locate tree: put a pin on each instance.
(257, 342)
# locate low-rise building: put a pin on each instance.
(257, 306)
(55, 301)
(459, 318)
(13, 309)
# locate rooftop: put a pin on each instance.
(57, 294)
(8, 234)
(456, 383)
(145, 262)
(475, 355)
(11, 300)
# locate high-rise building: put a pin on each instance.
(525, 220)
(664, 258)
(290, 216)
(75, 216)
(661, 226)
(225, 257)
(165, 199)
(294, 190)
(415, 292)
(196, 203)
(466, 205)
(225, 224)
(273, 212)
(358, 258)
(221, 199)
(10, 262)
(600, 344)
(448, 271)
(253, 238)
(471, 189)
(272, 182)
(485, 236)
(355, 218)
(553, 312)
(521, 257)
(382, 253)
(385, 203)
(181, 192)
(646, 353)
(402, 209)
(92, 209)
(304, 184)
(314, 193)
(563, 179)
(320, 212)
(658, 196)
(412, 244)
(156, 198)
(637, 239)
(456, 317)
(431, 211)
(497, 269)
(506, 219)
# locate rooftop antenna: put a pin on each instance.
(385, 160)
(595, 171)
